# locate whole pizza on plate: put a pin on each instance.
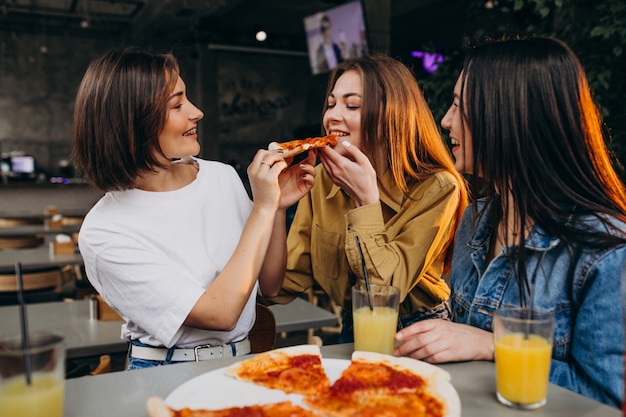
(296, 381)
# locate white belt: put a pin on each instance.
(198, 353)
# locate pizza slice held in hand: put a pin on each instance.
(295, 147)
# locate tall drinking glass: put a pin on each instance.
(523, 350)
(375, 326)
(32, 383)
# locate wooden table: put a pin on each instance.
(90, 337)
(125, 393)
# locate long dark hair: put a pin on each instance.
(538, 137)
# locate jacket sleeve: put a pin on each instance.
(414, 249)
(596, 366)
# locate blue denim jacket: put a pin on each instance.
(583, 290)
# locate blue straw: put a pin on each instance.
(23, 322)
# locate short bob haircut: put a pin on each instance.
(120, 109)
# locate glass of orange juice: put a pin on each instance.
(32, 381)
(375, 326)
(523, 350)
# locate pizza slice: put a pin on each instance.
(294, 369)
(383, 385)
(298, 146)
(157, 408)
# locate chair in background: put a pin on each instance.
(263, 333)
(21, 242)
(104, 366)
(85, 366)
(15, 222)
(104, 311)
(39, 285)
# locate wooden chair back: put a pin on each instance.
(104, 311)
(21, 242)
(263, 333)
(39, 286)
(38, 280)
(104, 366)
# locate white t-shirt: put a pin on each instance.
(151, 255)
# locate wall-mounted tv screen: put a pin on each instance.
(334, 35)
(23, 164)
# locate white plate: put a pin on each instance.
(215, 390)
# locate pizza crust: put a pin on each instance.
(157, 408)
(424, 369)
(303, 145)
(438, 379)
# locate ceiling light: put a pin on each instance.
(261, 36)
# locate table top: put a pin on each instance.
(90, 337)
(39, 257)
(301, 315)
(83, 336)
(125, 393)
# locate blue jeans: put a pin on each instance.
(137, 363)
(442, 311)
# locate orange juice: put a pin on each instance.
(522, 367)
(374, 331)
(42, 398)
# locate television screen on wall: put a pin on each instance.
(334, 35)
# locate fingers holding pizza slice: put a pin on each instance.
(298, 146)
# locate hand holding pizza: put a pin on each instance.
(350, 169)
(263, 173)
(296, 181)
(440, 341)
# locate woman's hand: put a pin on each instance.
(296, 181)
(351, 170)
(263, 174)
(439, 341)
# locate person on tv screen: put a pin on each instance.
(329, 53)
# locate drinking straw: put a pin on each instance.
(367, 279)
(23, 322)
(531, 294)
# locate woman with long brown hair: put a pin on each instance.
(391, 182)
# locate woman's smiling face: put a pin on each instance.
(179, 137)
(343, 116)
(455, 122)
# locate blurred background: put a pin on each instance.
(250, 64)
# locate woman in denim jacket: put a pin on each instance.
(551, 231)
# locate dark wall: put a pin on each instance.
(249, 97)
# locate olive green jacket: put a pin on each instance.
(404, 241)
